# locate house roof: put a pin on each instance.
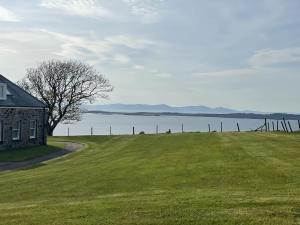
(18, 97)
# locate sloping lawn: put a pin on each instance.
(228, 178)
(16, 155)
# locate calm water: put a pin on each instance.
(122, 124)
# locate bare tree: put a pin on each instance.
(64, 86)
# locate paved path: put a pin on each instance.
(69, 148)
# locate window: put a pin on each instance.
(3, 91)
(1, 131)
(32, 128)
(16, 131)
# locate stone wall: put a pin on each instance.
(10, 115)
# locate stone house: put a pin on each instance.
(23, 118)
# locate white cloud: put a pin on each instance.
(147, 9)
(88, 8)
(7, 15)
(225, 73)
(6, 50)
(80, 47)
(127, 41)
(113, 49)
(164, 75)
(121, 59)
(139, 67)
(262, 58)
(106, 49)
(269, 57)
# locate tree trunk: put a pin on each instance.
(50, 131)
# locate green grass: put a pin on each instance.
(228, 178)
(17, 155)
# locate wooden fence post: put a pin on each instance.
(133, 132)
(299, 124)
(277, 125)
(238, 126)
(156, 129)
(273, 125)
(91, 131)
(268, 126)
(110, 130)
(290, 127)
(209, 128)
(285, 125)
(221, 127)
(182, 128)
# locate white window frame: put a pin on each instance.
(3, 91)
(18, 129)
(33, 128)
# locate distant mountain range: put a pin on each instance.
(199, 111)
(133, 108)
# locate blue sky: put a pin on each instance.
(236, 53)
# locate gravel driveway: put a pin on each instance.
(69, 148)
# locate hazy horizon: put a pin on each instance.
(247, 110)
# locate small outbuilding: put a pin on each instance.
(23, 118)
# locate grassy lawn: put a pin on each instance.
(228, 178)
(23, 154)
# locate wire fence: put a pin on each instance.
(266, 126)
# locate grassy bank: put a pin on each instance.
(229, 178)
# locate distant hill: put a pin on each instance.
(202, 111)
(133, 108)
